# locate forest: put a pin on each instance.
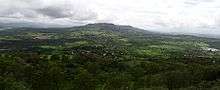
(106, 57)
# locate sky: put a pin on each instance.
(179, 16)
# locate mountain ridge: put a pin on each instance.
(108, 26)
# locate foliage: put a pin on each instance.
(106, 57)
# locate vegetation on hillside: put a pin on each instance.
(106, 57)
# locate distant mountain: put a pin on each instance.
(29, 25)
(208, 35)
(122, 29)
(125, 29)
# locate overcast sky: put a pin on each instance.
(187, 16)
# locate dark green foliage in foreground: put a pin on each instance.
(106, 57)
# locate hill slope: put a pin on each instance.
(106, 56)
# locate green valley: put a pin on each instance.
(106, 57)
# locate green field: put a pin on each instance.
(106, 57)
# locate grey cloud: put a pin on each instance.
(54, 12)
(30, 9)
(161, 24)
(196, 2)
(156, 12)
(44, 13)
(60, 12)
(18, 13)
(190, 3)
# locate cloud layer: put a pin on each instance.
(64, 12)
(185, 16)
